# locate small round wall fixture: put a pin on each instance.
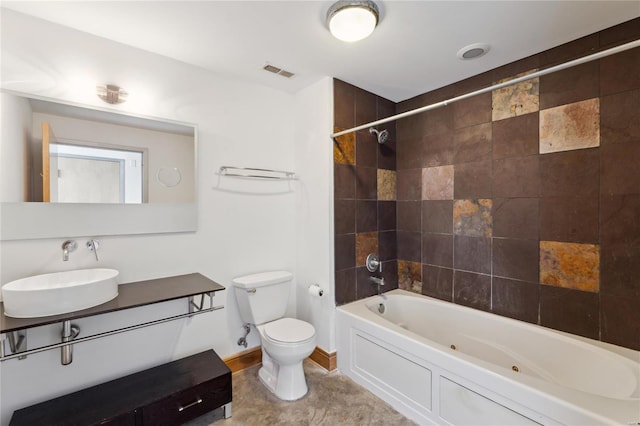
(352, 20)
(169, 176)
(473, 51)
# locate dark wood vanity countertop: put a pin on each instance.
(130, 295)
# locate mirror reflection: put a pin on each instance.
(68, 154)
(84, 174)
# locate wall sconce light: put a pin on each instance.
(111, 94)
(352, 20)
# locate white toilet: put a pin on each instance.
(286, 342)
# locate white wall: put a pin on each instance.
(14, 140)
(244, 226)
(314, 207)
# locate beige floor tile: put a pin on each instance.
(333, 399)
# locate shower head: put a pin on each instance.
(382, 135)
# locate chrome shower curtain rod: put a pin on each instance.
(555, 68)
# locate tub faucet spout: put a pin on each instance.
(379, 282)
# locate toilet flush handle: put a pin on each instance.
(250, 290)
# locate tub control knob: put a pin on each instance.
(373, 263)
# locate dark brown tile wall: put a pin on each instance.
(570, 310)
(516, 299)
(437, 282)
(571, 214)
(471, 289)
(365, 208)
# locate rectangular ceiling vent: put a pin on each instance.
(278, 71)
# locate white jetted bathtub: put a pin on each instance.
(441, 363)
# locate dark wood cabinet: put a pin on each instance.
(169, 394)
(126, 419)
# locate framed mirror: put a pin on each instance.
(67, 170)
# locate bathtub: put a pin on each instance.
(441, 363)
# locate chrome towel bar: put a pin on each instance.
(250, 172)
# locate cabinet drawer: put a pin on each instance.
(127, 419)
(188, 404)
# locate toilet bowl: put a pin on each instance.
(286, 342)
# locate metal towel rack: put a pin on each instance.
(250, 172)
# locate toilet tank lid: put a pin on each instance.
(262, 279)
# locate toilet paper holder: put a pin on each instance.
(315, 290)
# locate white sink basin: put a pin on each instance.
(59, 292)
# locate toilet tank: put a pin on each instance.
(262, 297)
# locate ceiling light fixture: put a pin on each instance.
(111, 94)
(473, 51)
(352, 20)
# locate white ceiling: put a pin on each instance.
(412, 51)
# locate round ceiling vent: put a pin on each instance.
(473, 51)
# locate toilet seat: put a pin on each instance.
(289, 331)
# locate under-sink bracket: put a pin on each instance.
(21, 342)
(69, 333)
(16, 341)
(195, 307)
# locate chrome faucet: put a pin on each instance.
(93, 245)
(374, 264)
(67, 247)
(379, 282)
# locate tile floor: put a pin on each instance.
(333, 400)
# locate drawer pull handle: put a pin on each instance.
(190, 405)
